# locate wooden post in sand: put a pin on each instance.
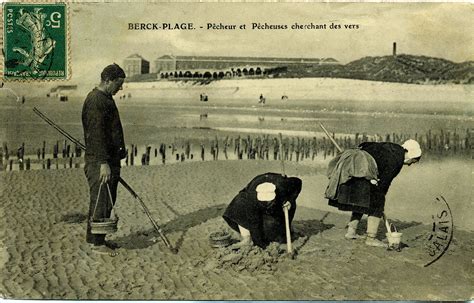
(217, 148)
(22, 153)
(455, 143)
(78, 151)
(64, 149)
(467, 143)
(5, 151)
(324, 148)
(11, 165)
(148, 155)
(429, 139)
(48, 163)
(55, 150)
(28, 164)
(226, 144)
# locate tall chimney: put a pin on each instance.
(394, 49)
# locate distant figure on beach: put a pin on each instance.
(257, 210)
(261, 99)
(105, 147)
(360, 178)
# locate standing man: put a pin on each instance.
(105, 148)
(257, 210)
(363, 179)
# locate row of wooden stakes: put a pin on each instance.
(265, 147)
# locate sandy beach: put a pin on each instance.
(251, 84)
(44, 254)
(301, 88)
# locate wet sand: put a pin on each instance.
(44, 255)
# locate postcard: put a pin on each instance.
(236, 151)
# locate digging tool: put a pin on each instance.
(288, 233)
(331, 138)
(285, 208)
(122, 181)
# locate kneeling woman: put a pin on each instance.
(257, 210)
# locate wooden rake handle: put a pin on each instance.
(288, 232)
(330, 137)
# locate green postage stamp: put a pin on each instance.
(35, 41)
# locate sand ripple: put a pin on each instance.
(46, 257)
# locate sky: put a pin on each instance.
(99, 32)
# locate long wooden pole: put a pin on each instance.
(330, 137)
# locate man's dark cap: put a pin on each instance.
(112, 72)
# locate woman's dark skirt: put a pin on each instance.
(359, 195)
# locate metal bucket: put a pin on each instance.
(220, 239)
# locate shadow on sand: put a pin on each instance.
(182, 223)
(143, 239)
(304, 229)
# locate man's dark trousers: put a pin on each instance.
(104, 207)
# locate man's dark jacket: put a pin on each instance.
(358, 194)
(264, 220)
(103, 131)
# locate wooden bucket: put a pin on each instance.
(104, 225)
